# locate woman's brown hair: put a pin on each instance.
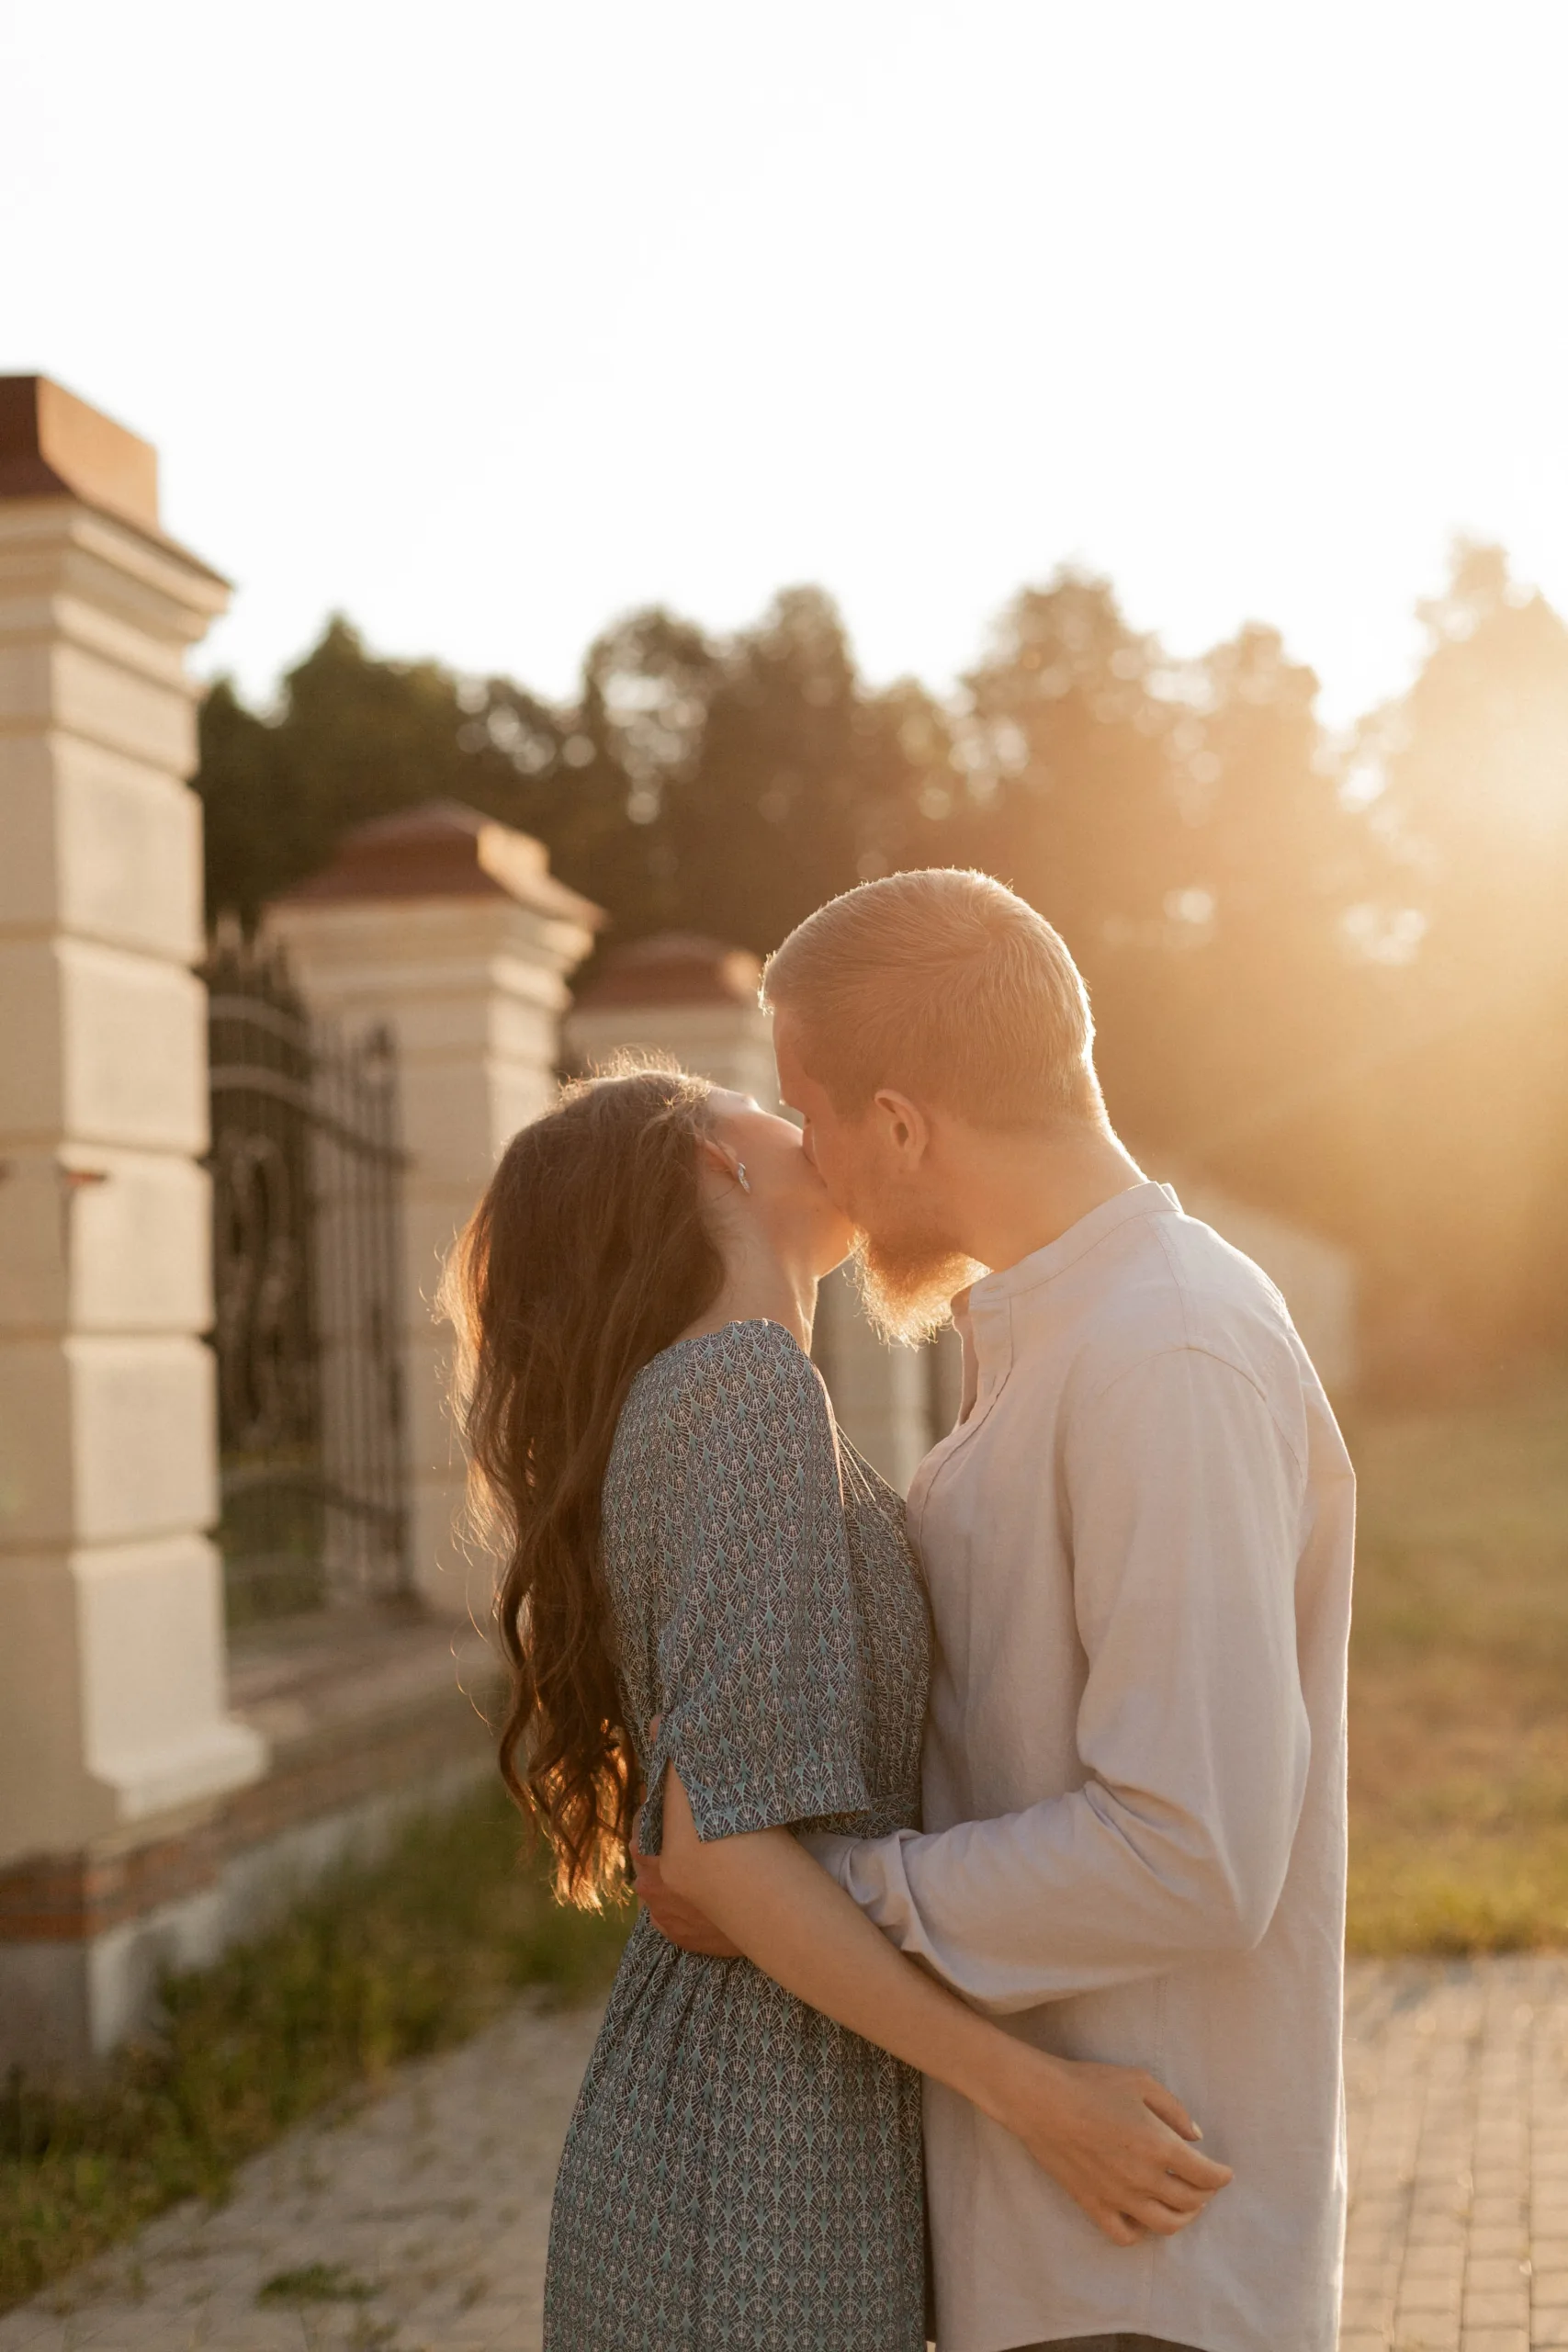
(587, 1255)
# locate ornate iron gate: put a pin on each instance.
(307, 1262)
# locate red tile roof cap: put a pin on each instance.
(55, 445)
(443, 850)
(674, 967)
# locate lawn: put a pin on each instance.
(383, 1963)
(1458, 1731)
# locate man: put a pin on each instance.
(1138, 1543)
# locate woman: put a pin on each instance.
(709, 1602)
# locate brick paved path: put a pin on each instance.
(1458, 2158)
(426, 2211)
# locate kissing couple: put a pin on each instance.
(1021, 1804)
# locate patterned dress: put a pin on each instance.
(740, 2174)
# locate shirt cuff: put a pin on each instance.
(835, 1854)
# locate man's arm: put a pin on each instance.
(1113, 2137)
(1185, 1505)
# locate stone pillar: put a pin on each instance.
(112, 1708)
(697, 1000)
(678, 994)
(450, 929)
(882, 1393)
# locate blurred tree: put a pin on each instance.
(1351, 1004)
(1274, 988)
(802, 782)
(1184, 828)
(1071, 773)
(1470, 1110)
(354, 737)
(1178, 825)
(697, 784)
(250, 830)
(647, 685)
(1072, 798)
(732, 785)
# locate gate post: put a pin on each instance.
(111, 1642)
(680, 994)
(450, 929)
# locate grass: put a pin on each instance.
(382, 1963)
(1459, 1737)
(316, 2282)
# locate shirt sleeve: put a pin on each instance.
(1185, 1505)
(762, 1695)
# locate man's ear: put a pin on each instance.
(904, 1125)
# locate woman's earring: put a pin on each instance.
(740, 1176)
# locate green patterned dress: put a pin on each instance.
(740, 2174)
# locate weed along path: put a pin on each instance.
(418, 2223)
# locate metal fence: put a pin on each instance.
(307, 1265)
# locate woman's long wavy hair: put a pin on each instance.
(588, 1254)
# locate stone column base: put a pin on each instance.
(368, 1722)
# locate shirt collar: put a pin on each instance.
(983, 1313)
(1043, 1265)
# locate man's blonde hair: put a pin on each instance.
(947, 985)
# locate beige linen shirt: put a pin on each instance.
(1138, 1543)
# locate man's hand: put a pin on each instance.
(680, 1923)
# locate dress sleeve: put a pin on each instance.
(760, 1671)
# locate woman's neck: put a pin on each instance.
(761, 1288)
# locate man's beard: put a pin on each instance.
(905, 1282)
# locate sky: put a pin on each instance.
(486, 322)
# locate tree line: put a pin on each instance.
(1329, 972)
